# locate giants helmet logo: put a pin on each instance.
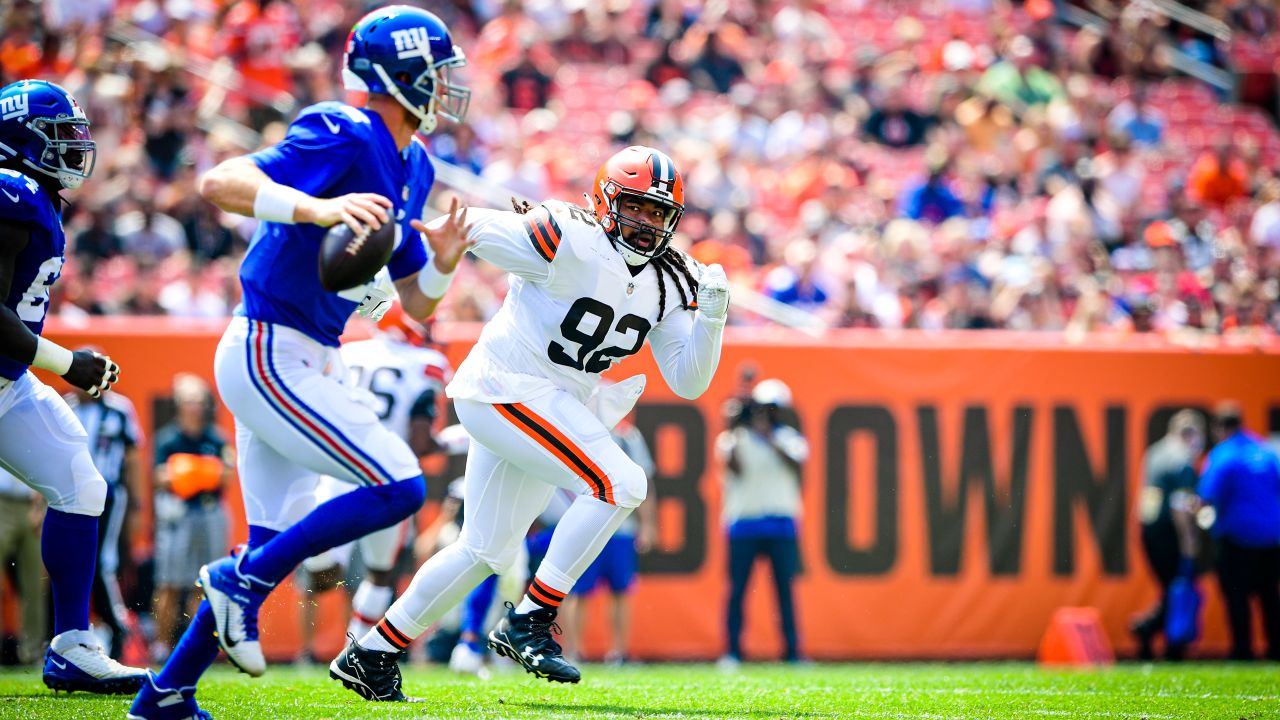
(412, 42)
(14, 106)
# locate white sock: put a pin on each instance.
(373, 640)
(578, 538)
(527, 605)
(367, 607)
(439, 584)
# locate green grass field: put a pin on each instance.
(934, 691)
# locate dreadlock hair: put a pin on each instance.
(521, 206)
(676, 264)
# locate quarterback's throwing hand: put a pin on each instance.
(379, 293)
(357, 210)
(92, 372)
(713, 292)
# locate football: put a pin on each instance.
(349, 259)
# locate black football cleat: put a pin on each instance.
(372, 674)
(527, 640)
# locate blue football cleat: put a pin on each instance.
(156, 703)
(234, 599)
(75, 661)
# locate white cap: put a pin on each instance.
(772, 392)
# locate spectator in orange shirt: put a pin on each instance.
(19, 52)
(1218, 177)
(258, 37)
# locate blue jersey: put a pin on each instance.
(331, 149)
(1241, 479)
(24, 202)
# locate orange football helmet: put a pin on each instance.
(399, 325)
(644, 173)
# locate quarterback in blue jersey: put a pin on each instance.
(45, 147)
(277, 367)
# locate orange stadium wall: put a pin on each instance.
(961, 486)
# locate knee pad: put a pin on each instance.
(88, 495)
(630, 485)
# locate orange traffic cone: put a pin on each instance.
(1075, 637)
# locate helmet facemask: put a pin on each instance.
(443, 97)
(69, 150)
(646, 241)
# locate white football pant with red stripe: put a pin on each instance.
(296, 420)
(520, 453)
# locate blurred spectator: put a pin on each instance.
(665, 66)
(192, 466)
(794, 283)
(460, 147)
(191, 295)
(1145, 53)
(1017, 81)
(988, 125)
(526, 86)
(894, 124)
(21, 515)
(1097, 51)
(20, 54)
(1218, 177)
(762, 463)
(716, 67)
(1121, 175)
(1255, 18)
(1083, 211)
(149, 235)
(852, 314)
(1134, 117)
(258, 35)
(1241, 482)
(669, 19)
(1264, 230)
(591, 37)
(1169, 481)
(97, 241)
(166, 116)
(115, 438)
(932, 199)
(206, 237)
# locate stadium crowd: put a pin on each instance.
(933, 164)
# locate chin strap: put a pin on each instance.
(426, 120)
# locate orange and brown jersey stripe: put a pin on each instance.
(555, 442)
(544, 594)
(544, 232)
(389, 633)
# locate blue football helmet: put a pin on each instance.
(44, 127)
(407, 53)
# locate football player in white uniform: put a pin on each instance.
(402, 380)
(586, 290)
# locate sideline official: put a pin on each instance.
(1241, 482)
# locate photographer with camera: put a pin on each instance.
(762, 458)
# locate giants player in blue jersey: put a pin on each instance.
(278, 368)
(45, 147)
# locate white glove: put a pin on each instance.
(713, 292)
(375, 297)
